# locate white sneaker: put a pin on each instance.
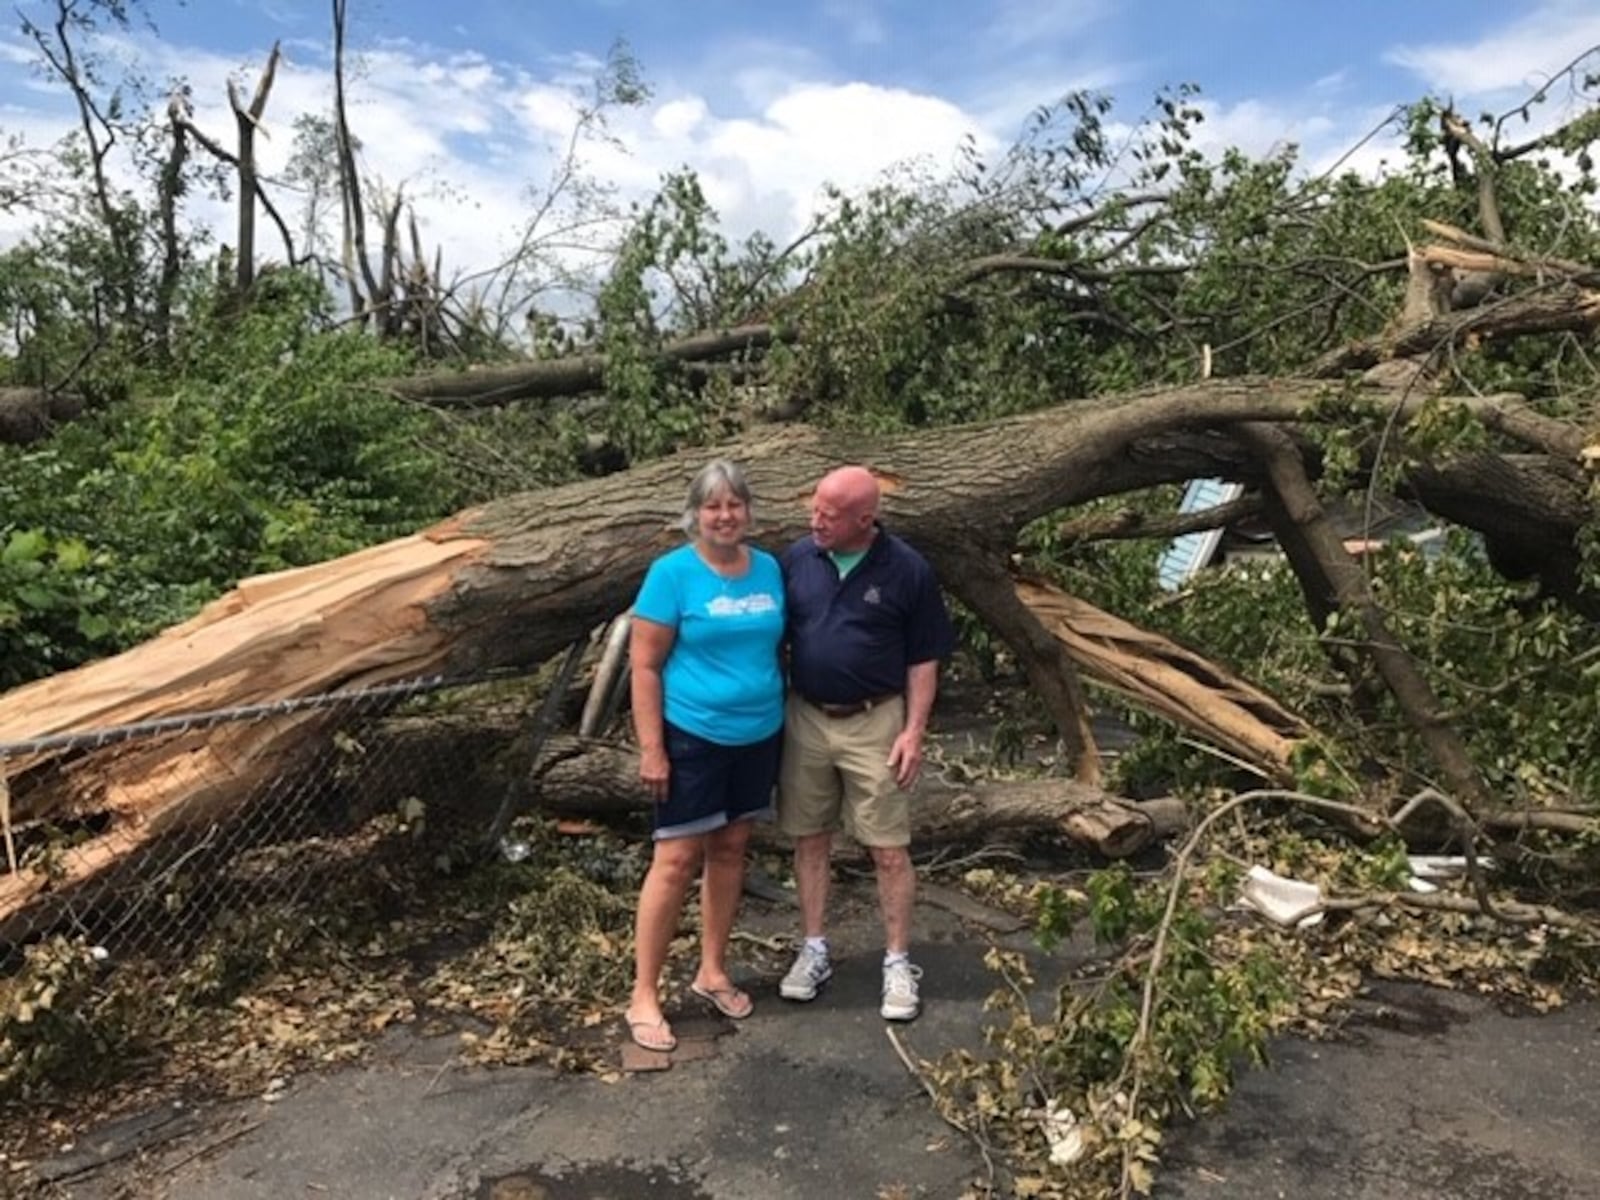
(810, 971)
(900, 1001)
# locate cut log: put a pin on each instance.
(589, 778)
(518, 580)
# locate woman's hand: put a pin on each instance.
(654, 771)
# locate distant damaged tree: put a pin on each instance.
(393, 288)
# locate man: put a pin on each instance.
(866, 630)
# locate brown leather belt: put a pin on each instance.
(854, 708)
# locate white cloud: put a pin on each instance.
(678, 118)
(469, 137)
(1517, 57)
(1260, 128)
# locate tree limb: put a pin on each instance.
(1349, 583)
(1128, 523)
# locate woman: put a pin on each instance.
(708, 713)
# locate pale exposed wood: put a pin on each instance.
(1163, 677)
(1476, 260)
(160, 785)
(355, 621)
(609, 673)
(1052, 674)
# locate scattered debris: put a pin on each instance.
(1286, 902)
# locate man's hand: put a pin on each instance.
(905, 757)
(654, 770)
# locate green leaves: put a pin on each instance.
(266, 451)
(52, 605)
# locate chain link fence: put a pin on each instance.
(140, 838)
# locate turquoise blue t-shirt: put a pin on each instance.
(721, 679)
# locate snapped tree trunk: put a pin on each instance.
(520, 579)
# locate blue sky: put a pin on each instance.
(465, 103)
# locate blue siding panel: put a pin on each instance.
(1192, 551)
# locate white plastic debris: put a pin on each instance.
(1281, 900)
(1065, 1135)
(1428, 870)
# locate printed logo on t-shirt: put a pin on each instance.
(742, 606)
(872, 595)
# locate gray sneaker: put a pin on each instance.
(900, 1001)
(810, 971)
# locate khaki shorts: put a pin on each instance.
(838, 767)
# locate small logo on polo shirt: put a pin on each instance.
(872, 595)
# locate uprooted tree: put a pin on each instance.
(1030, 359)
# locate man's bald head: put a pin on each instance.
(844, 510)
(851, 487)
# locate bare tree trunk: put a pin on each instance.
(100, 135)
(248, 120)
(355, 214)
(168, 192)
(1322, 601)
(251, 189)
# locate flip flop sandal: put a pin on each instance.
(733, 1003)
(663, 1041)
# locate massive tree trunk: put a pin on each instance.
(520, 579)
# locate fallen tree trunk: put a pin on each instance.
(518, 580)
(492, 386)
(593, 778)
(30, 414)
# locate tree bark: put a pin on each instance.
(169, 189)
(1559, 310)
(592, 778)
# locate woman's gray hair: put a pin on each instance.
(718, 475)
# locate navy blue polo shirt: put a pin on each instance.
(853, 639)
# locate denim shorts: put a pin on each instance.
(711, 785)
